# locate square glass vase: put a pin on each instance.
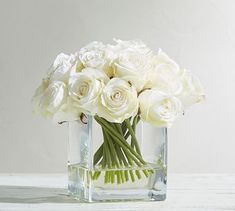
(112, 163)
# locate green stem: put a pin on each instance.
(98, 155)
(116, 151)
(133, 137)
(129, 155)
(107, 153)
(122, 160)
(128, 133)
(119, 128)
(134, 123)
(113, 151)
(132, 176)
(119, 154)
(124, 129)
(118, 138)
(104, 157)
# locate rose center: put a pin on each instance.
(116, 96)
(83, 89)
(164, 109)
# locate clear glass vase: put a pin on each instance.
(106, 169)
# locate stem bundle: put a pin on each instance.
(116, 156)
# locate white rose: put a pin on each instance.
(85, 88)
(49, 98)
(118, 101)
(133, 45)
(164, 74)
(192, 91)
(132, 62)
(163, 59)
(133, 67)
(159, 108)
(68, 112)
(62, 67)
(97, 55)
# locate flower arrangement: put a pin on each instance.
(118, 85)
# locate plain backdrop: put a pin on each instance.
(198, 34)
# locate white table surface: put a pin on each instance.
(46, 192)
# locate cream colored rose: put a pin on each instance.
(133, 67)
(62, 67)
(131, 45)
(159, 108)
(164, 74)
(192, 90)
(68, 112)
(97, 55)
(49, 98)
(86, 87)
(118, 101)
(162, 59)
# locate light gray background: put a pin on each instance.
(198, 34)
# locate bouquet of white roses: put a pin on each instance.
(119, 85)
